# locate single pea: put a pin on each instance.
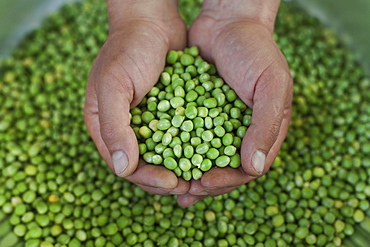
(179, 92)
(203, 67)
(158, 136)
(180, 111)
(153, 125)
(190, 84)
(208, 123)
(170, 163)
(202, 111)
(185, 136)
(167, 138)
(177, 102)
(177, 120)
(196, 173)
(177, 150)
(227, 139)
(202, 148)
(218, 82)
(222, 161)
(188, 151)
(187, 59)
(235, 161)
(207, 136)
(145, 132)
(191, 96)
(247, 119)
(205, 165)
(210, 103)
(136, 119)
(168, 152)
(219, 131)
(172, 57)
(163, 124)
(218, 121)
(177, 82)
(159, 148)
(163, 106)
(187, 126)
(204, 77)
(199, 132)
(173, 131)
(237, 142)
(235, 112)
(179, 71)
(195, 141)
(157, 159)
(230, 95)
(240, 105)
(191, 112)
(197, 159)
(200, 90)
(165, 78)
(230, 150)
(187, 175)
(214, 112)
(216, 142)
(208, 85)
(185, 164)
(212, 153)
(241, 131)
(192, 70)
(198, 122)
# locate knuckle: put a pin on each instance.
(108, 133)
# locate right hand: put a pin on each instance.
(126, 68)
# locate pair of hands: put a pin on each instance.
(130, 62)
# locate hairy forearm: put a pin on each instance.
(263, 11)
(122, 11)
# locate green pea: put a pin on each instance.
(202, 148)
(148, 157)
(197, 159)
(191, 96)
(188, 151)
(196, 173)
(203, 67)
(216, 142)
(163, 124)
(195, 141)
(202, 111)
(172, 57)
(219, 131)
(187, 175)
(170, 163)
(230, 150)
(157, 136)
(185, 136)
(191, 112)
(222, 161)
(235, 112)
(165, 78)
(167, 138)
(185, 164)
(200, 90)
(192, 70)
(240, 132)
(205, 165)
(208, 123)
(168, 152)
(212, 153)
(187, 60)
(163, 106)
(207, 136)
(177, 150)
(187, 126)
(210, 103)
(198, 122)
(179, 92)
(190, 84)
(235, 161)
(230, 95)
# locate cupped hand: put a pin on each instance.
(126, 68)
(249, 60)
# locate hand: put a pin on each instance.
(126, 68)
(247, 58)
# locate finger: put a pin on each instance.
(218, 179)
(181, 188)
(153, 176)
(271, 104)
(121, 150)
(186, 200)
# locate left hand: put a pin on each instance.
(249, 60)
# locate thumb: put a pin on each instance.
(121, 148)
(269, 126)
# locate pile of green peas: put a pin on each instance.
(190, 121)
(55, 190)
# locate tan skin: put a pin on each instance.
(131, 60)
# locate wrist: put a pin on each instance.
(258, 11)
(158, 12)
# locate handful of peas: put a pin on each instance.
(190, 121)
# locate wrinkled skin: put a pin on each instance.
(128, 66)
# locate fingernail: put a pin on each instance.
(175, 193)
(202, 193)
(258, 161)
(120, 162)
